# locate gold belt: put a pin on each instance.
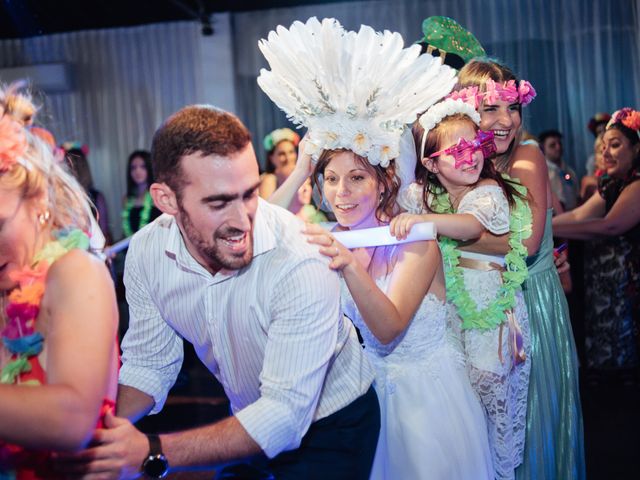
(516, 342)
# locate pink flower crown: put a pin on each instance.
(628, 117)
(524, 93)
(13, 143)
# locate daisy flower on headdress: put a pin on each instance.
(13, 142)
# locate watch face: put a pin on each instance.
(156, 466)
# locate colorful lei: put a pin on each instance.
(19, 335)
(145, 214)
(515, 273)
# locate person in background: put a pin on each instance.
(138, 209)
(308, 212)
(596, 126)
(612, 214)
(76, 160)
(589, 183)
(281, 147)
(563, 179)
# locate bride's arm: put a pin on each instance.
(386, 315)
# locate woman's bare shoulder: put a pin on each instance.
(79, 269)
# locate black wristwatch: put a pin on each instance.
(156, 464)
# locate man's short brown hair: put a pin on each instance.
(196, 128)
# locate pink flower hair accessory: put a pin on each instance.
(627, 117)
(13, 143)
(526, 92)
(506, 92)
(468, 95)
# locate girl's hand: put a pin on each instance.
(401, 224)
(341, 256)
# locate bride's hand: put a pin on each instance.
(304, 163)
(341, 257)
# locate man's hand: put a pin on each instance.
(117, 453)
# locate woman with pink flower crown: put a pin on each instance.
(554, 444)
(612, 214)
(58, 320)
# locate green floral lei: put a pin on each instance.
(145, 214)
(515, 273)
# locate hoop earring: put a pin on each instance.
(44, 217)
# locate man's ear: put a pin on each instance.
(431, 165)
(164, 198)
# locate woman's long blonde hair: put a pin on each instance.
(38, 175)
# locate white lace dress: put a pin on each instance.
(501, 385)
(432, 424)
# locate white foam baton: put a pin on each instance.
(374, 237)
(117, 247)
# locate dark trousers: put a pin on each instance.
(340, 446)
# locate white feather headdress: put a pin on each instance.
(353, 90)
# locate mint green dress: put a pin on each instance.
(554, 444)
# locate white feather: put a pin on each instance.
(338, 83)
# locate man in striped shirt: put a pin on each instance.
(234, 275)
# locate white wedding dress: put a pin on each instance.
(432, 424)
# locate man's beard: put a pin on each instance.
(216, 260)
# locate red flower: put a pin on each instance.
(632, 120)
(21, 320)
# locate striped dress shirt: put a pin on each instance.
(272, 332)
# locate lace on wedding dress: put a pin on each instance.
(489, 205)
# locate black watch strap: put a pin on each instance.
(156, 464)
(155, 445)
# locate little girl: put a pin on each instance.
(468, 197)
